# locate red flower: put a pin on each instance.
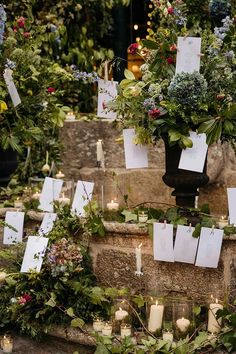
(133, 48)
(170, 10)
(51, 89)
(21, 22)
(154, 113)
(26, 34)
(220, 96)
(170, 60)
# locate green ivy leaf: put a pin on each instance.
(77, 322)
(70, 312)
(150, 44)
(129, 75)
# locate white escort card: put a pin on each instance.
(11, 87)
(16, 220)
(193, 159)
(209, 247)
(47, 223)
(136, 156)
(163, 242)
(107, 91)
(34, 254)
(188, 54)
(185, 247)
(231, 193)
(50, 192)
(83, 195)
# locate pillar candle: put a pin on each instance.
(155, 317)
(138, 254)
(214, 324)
(183, 324)
(120, 314)
(100, 155)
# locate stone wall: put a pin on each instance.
(115, 264)
(141, 185)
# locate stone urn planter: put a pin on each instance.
(8, 164)
(185, 183)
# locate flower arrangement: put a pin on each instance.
(30, 127)
(165, 103)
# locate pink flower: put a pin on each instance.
(14, 29)
(51, 89)
(154, 113)
(170, 10)
(170, 60)
(21, 22)
(24, 298)
(26, 34)
(133, 48)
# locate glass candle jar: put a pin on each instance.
(98, 325)
(183, 319)
(7, 344)
(155, 318)
(125, 330)
(107, 329)
(168, 334)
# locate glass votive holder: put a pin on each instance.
(98, 325)
(107, 329)
(125, 330)
(155, 316)
(121, 313)
(7, 343)
(168, 334)
(182, 318)
(142, 216)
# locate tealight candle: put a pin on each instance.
(120, 314)
(98, 325)
(60, 175)
(222, 222)
(18, 203)
(213, 323)
(142, 217)
(36, 196)
(70, 116)
(107, 329)
(7, 344)
(113, 205)
(183, 324)
(156, 316)
(125, 330)
(64, 200)
(167, 335)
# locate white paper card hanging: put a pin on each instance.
(188, 54)
(50, 192)
(231, 193)
(16, 220)
(83, 195)
(136, 156)
(209, 247)
(185, 247)
(163, 242)
(193, 159)
(11, 87)
(107, 91)
(47, 223)
(34, 253)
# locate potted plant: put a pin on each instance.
(169, 106)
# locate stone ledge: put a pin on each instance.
(73, 335)
(110, 226)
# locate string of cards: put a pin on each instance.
(36, 245)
